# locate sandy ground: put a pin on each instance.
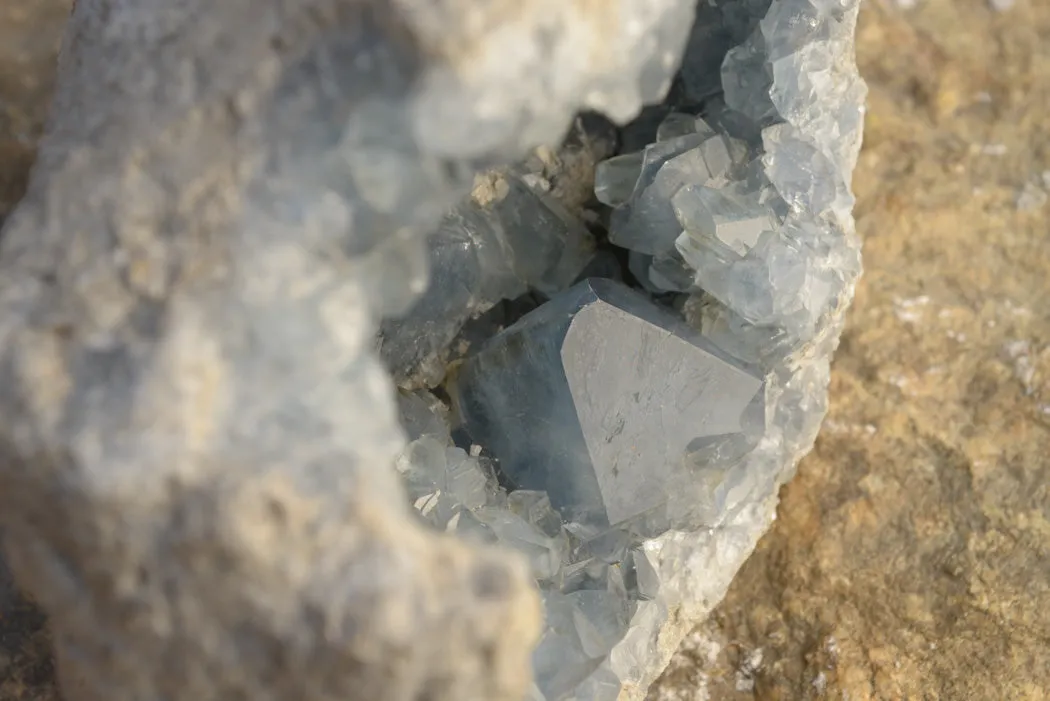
(911, 557)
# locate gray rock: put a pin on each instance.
(196, 439)
(597, 398)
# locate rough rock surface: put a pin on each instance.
(941, 123)
(30, 31)
(910, 556)
(195, 439)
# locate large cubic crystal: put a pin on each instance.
(597, 398)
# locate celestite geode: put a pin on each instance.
(654, 425)
(220, 271)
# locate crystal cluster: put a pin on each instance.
(220, 266)
(507, 238)
(195, 425)
(590, 593)
(635, 420)
(754, 223)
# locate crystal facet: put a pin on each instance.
(504, 240)
(596, 398)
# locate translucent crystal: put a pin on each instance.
(602, 685)
(559, 663)
(719, 217)
(670, 273)
(747, 80)
(441, 480)
(640, 264)
(546, 245)
(422, 414)
(535, 507)
(500, 525)
(719, 27)
(504, 240)
(595, 398)
(616, 178)
(582, 627)
(601, 619)
(806, 178)
(676, 124)
(701, 127)
(645, 221)
(666, 272)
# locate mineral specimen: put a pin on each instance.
(201, 473)
(196, 437)
(619, 389)
(593, 590)
(745, 210)
(507, 238)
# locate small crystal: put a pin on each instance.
(544, 553)
(602, 685)
(668, 272)
(660, 274)
(630, 656)
(559, 663)
(633, 220)
(645, 223)
(601, 620)
(440, 480)
(715, 216)
(548, 247)
(504, 240)
(701, 127)
(535, 507)
(616, 178)
(716, 155)
(676, 124)
(422, 414)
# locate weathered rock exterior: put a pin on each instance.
(197, 436)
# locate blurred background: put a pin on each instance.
(911, 555)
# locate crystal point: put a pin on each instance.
(595, 398)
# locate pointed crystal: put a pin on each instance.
(716, 216)
(595, 397)
(676, 124)
(616, 178)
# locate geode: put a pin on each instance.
(221, 264)
(656, 424)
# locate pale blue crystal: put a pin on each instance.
(596, 397)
